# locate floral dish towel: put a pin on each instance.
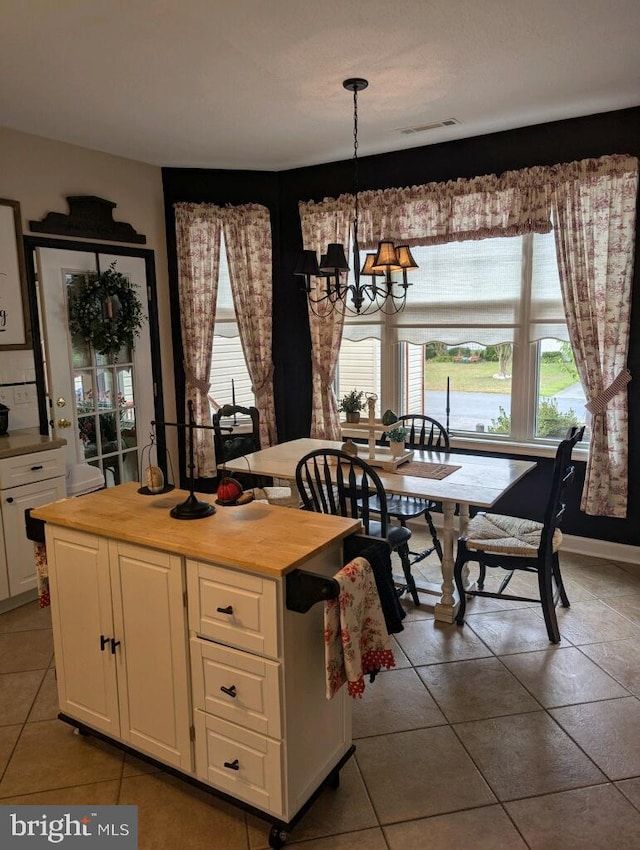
(355, 636)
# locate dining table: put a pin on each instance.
(455, 480)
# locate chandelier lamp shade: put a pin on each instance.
(380, 285)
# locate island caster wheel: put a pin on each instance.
(277, 837)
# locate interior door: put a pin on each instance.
(101, 404)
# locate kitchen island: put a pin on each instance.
(174, 639)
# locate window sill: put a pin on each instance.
(511, 447)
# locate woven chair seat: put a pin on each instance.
(507, 535)
(282, 496)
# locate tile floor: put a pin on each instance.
(482, 738)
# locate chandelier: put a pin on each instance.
(380, 291)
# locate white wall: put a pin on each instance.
(40, 173)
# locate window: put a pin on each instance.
(229, 376)
(483, 329)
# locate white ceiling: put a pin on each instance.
(258, 83)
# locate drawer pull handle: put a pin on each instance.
(229, 691)
(114, 643)
(103, 642)
(232, 765)
(227, 610)
(10, 502)
(36, 468)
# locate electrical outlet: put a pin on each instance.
(21, 395)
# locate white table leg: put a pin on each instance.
(445, 608)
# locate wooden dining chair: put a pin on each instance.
(424, 433)
(231, 442)
(511, 544)
(331, 481)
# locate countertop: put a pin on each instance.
(25, 441)
(258, 537)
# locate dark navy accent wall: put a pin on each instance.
(545, 144)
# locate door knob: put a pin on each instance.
(64, 423)
(60, 402)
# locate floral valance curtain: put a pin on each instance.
(593, 203)
(247, 231)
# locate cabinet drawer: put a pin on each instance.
(236, 686)
(239, 762)
(35, 466)
(233, 608)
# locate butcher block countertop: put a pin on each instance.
(262, 538)
(25, 441)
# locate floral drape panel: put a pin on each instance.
(595, 214)
(247, 233)
(331, 223)
(198, 230)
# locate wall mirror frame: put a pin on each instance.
(15, 325)
(31, 244)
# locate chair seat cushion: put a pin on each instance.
(507, 535)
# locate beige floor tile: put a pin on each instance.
(26, 618)
(46, 706)
(29, 650)
(526, 754)
(606, 579)
(95, 793)
(575, 563)
(173, 814)
(596, 818)
(592, 621)
(8, 738)
(631, 790)
(17, 693)
(49, 755)
(565, 677)
(400, 658)
(607, 732)
(510, 631)
(424, 611)
(620, 658)
(366, 839)
(395, 702)
(628, 606)
(344, 809)
(134, 766)
(416, 774)
(486, 828)
(432, 642)
(477, 689)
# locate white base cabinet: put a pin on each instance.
(26, 481)
(120, 642)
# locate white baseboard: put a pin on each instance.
(596, 548)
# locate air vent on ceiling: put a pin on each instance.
(448, 122)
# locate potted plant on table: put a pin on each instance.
(351, 404)
(396, 436)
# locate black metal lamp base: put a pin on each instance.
(192, 508)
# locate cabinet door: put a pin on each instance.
(82, 628)
(19, 549)
(4, 578)
(150, 622)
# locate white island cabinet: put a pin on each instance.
(174, 638)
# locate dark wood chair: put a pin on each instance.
(511, 543)
(424, 433)
(236, 433)
(330, 481)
